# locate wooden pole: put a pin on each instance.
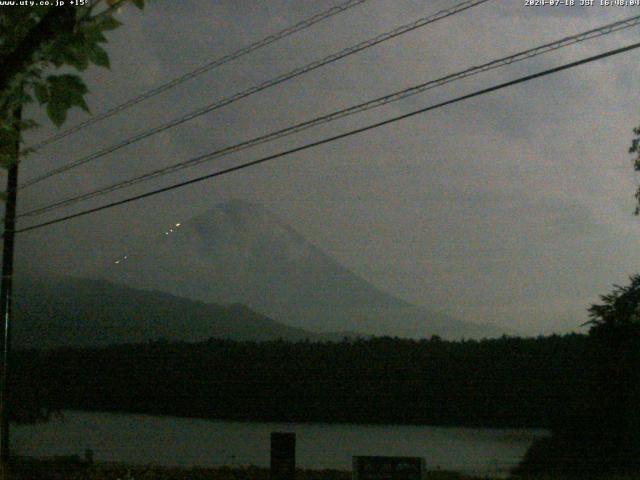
(6, 298)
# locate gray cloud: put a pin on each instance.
(514, 207)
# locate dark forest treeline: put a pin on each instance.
(504, 382)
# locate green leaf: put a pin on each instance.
(66, 85)
(99, 56)
(57, 112)
(82, 12)
(76, 56)
(65, 91)
(109, 23)
(139, 4)
(93, 34)
(83, 105)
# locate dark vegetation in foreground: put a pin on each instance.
(584, 388)
(53, 470)
(508, 382)
(597, 435)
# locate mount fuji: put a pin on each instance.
(241, 253)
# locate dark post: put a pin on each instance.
(283, 456)
(5, 296)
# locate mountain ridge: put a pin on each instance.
(239, 252)
(54, 312)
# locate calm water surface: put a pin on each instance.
(145, 439)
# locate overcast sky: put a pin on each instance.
(514, 208)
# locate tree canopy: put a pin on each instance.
(599, 434)
(619, 309)
(40, 47)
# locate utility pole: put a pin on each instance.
(5, 297)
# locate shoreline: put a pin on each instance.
(150, 440)
(436, 425)
(72, 468)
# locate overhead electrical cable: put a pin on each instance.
(304, 24)
(350, 133)
(260, 87)
(377, 102)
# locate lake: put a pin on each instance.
(146, 439)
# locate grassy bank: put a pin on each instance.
(69, 470)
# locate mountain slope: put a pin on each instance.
(241, 253)
(52, 312)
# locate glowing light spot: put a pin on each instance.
(178, 224)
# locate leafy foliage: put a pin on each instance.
(37, 39)
(600, 434)
(635, 148)
(620, 309)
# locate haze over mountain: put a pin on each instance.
(62, 311)
(240, 253)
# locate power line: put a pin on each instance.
(336, 137)
(260, 87)
(304, 24)
(380, 101)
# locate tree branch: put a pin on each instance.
(56, 19)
